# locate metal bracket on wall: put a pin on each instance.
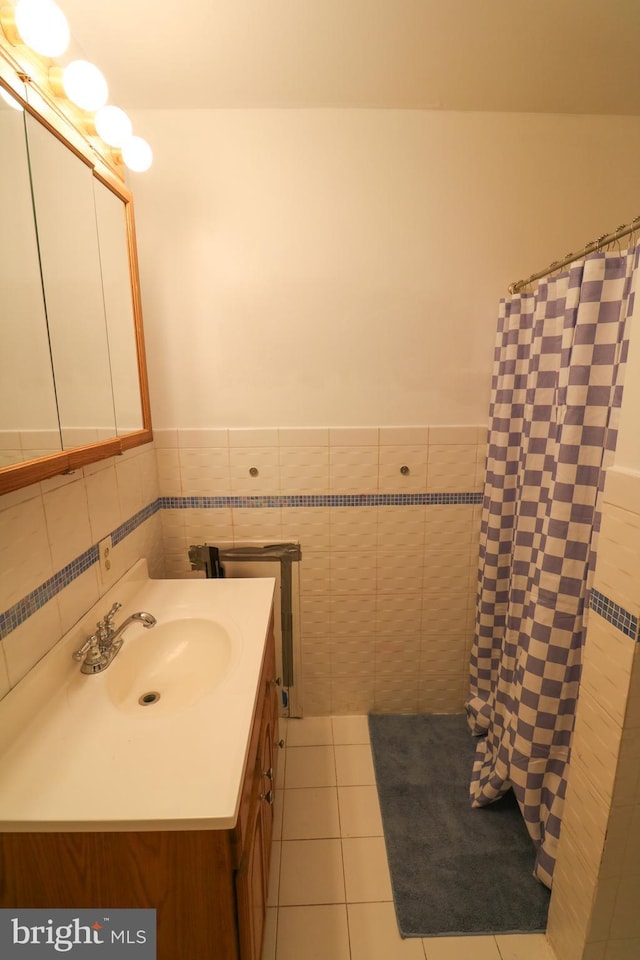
(207, 557)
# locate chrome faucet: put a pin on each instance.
(101, 647)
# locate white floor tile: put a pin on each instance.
(461, 948)
(373, 934)
(310, 813)
(354, 766)
(270, 930)
(310, 767)
(366, 871)
(278, 809)
(311, 872)
(359, 812)
(350, 730)
(274, 874)
(313, 933)
(524, 946)
(309, 732)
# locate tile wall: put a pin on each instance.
(19, 445)
(388, 520)
(49, 532)
(594, 906)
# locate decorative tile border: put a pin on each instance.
(16, 615)
(27, 606)
(130, 525)
(614, 614)
(322, 500)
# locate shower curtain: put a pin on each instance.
(556, 392)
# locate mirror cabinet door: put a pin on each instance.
(64, 204)
(117, 286)
(29, 425)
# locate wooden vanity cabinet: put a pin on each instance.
(209, 887)
(255, 823)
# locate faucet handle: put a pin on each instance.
(109, 616)
(84, 649)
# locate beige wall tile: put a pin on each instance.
(622, 949)
(315, 573)
(354, 573)
(103, 503)
(5, 685)
(608, 659)
(68, 526)
(353, 469)
(199, 437)
(303, 436)
(632, 717)
(253, 437)
(401, 526)
(25, 554)
(308, 525)
(617, 573)
(351, 695)
(399, 574)
(449, 435)
(265, 460)
(304, 470)
(204, 472)
(26, 645)
(353, 616)
(168, 465)
(353, 528)
(596, 742)
(353, 436)
(78, 597)
(398, 615)
(395, 461)
(451, 469)
(404, 436)
(625, 921)
(618, 840)
(252, 524)
(315, 615)
(622, 489)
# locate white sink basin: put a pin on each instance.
(82, 752)
(169, 667)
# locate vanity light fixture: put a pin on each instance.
(84, 85)
(113, 125)
(137, 154)
(40, 24)
(9, 100)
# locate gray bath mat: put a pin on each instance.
(454, 870)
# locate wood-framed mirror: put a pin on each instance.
(73, 385)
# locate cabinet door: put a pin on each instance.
(251, 881)
(267, 752)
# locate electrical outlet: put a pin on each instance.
(105, 549)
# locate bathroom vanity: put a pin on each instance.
(171, 809)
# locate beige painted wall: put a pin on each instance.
(323, 267)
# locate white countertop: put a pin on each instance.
(72, 759)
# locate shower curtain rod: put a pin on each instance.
(622, 231)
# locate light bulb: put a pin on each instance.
(85, 85)
(8, 99)
(42, 26)
(113, 125)
(137, 154)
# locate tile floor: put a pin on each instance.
(329, 891)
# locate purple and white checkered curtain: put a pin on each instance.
(556, 393)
